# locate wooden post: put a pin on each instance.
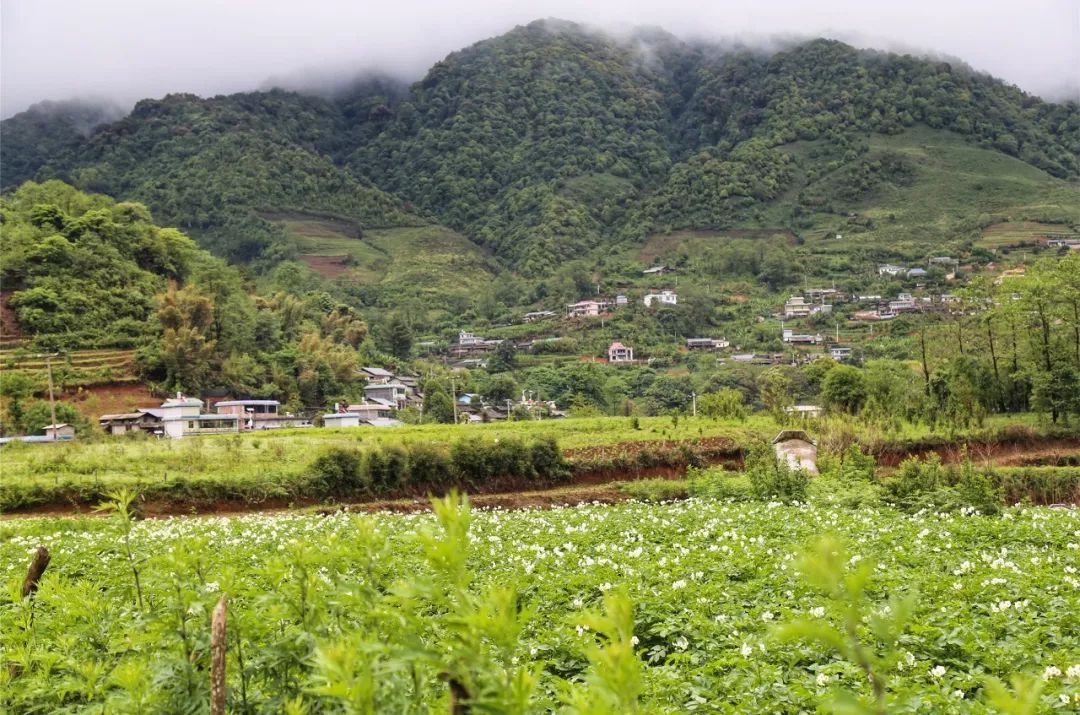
(52, 399)
(217, 656)
(33, 574)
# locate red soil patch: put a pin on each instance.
(327, 266)
(98, 400)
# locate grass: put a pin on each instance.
(956, 183)
(1020, 233)
(416, 259)
(255, 467)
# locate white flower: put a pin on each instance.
(679, 584)
(823, 679)
(634, 640)
(1064, 699)
(937, 671)
(681, 643)
(1052, 671)
(746, 650)
(817, 611)
(767, 616)
(1073, 671)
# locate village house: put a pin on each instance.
(467, 338)
(376, 374)
(889, 269)
(60, 431)
(468, 344)
(182, 417)
(839, 353)
(796, 307)
(790, 336)
(664, 297)
(539, 315)
(916, 273)
(621, 300)
(148, 421)
(1070, 243)
(806, 411)
(657, 271)
(706, 343)
(341, 419)
(392, 392)
(586, 309)
(875, 314)
(259, 414)
(904, 303)
(617, 352)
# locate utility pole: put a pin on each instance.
(453, 391)
(52, 399)
(693, 397)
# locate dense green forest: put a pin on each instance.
(546, 143)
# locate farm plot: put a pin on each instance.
(531, 611)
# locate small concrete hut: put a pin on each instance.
(797, 449)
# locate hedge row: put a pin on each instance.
(470, 463)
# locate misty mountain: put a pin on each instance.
(552, 141)
(48, 130)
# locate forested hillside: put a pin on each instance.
(550, 142)
(85, 271)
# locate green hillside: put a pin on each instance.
(210, 165)
(420, 260)
(554, 152)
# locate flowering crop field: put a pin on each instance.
(376, 613)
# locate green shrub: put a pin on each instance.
(849, 466)
(716, 483)
(338, 470)
(976, 489)
(429, 465)
(848, 495)
(387, 468)
(772, 479)
(548, 462)
(914, 480)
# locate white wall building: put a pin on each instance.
(664, 297)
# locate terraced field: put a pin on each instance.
(419, 259)
(80, 368)
(1022, 233)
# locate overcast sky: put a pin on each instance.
(130, 49)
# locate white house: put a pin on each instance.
(839, 353)
(889, 269)
(467, 338)
(618, 352)
(585, 309)
(796, 307)
(665, 297)
(181, 417)
(341, 419)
